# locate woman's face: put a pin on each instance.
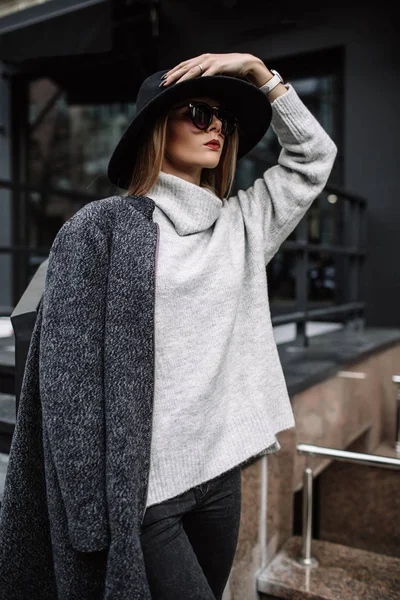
(185, 149)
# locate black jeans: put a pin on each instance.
(189, 541)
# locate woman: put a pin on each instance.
(159, 377)
(208, 419)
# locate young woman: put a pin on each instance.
(159, 377)
(218, 403)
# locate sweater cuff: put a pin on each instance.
(292, 121)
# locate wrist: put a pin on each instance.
(279, 90)
(274, 87)
(257, 72)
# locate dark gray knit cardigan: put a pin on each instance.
(75, 489)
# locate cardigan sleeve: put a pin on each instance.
(71, 376)
(278, 200)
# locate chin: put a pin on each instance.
(210, 165)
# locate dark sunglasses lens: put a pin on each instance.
(201, 115)
(228, 122)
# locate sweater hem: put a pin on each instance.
(268, 446)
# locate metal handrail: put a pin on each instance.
(309, 450)
(338, 309)
(396, 380)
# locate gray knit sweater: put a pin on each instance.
(218, 402)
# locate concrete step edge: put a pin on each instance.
(343, 573)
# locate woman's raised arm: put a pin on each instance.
(280, 198)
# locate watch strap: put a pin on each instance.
(271, 83)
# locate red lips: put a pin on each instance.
(213, 144)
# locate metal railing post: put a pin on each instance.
(306, 560)
(309, 450)
(396, 380)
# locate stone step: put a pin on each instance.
(7, 421)
(7, 412)
(343, 573)
(3, 471)
(7, 361)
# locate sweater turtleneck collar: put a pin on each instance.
(191, 208)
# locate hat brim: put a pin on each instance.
(249, 105)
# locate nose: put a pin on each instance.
(215, 124)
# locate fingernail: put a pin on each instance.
(164, 76)
(162, 83)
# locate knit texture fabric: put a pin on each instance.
(76, 485)
(220, 395)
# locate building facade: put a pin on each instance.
(64, 105)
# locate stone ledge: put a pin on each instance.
(3, 471)
(7, 413)
(329, 353)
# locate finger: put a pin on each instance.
(193, 73)
(181, 65)
(177, 73)
(210, 70)
(186, 73)
(187, 64)
(182, 71)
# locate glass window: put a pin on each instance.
(321, 279)
(69, 149)
(324, 224)
(282, 282)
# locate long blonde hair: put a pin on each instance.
(149, 158)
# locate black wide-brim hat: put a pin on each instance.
(246, 101)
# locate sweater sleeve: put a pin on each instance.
(71, 376)
(278, 200)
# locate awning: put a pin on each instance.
(55, 28)
(13, 17)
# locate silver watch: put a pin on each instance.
(273, 82)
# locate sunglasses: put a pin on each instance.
(202, 114)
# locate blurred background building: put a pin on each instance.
(70, 72)
(69, 76)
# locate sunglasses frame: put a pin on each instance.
(214, 110)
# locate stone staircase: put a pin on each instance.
(21, 317)
(7, 403)
(3, 471)
(7, 421)
(7, 424)
(343, 573)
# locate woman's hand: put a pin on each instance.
(234, 63)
